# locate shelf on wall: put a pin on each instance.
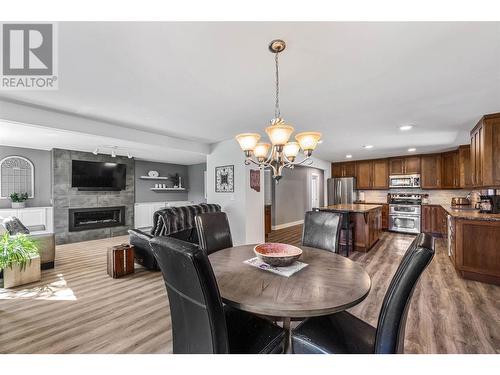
(169, 189)
(153, 178)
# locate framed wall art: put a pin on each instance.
(224, 179)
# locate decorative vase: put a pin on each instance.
(18, 204)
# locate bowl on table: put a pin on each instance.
(277, 254)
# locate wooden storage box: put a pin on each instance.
(120, 260)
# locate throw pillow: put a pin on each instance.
(14, 226)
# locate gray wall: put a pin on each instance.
(66, 197)
(291, 196)
(41, 162)
(143, 192)
(196, 177)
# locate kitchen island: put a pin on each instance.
(474, 244)
(366, 220)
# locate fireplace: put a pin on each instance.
(96, 217)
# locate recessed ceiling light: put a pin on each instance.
(412, 149)
(348, 156)
(405, 127)
(368, 146)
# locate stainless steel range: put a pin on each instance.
(405, 212)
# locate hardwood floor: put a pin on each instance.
(447, 315)
(78, 308)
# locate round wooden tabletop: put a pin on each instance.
(330, 283)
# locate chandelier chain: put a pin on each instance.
(277, 112)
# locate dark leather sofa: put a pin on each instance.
(176, 222)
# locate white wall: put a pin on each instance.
(244, 207)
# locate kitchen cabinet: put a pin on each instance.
(380, 174)
(474, 245)
(434, 220)
(450, 173)
(372, 174)
(464, 167)
(347, 169)
(385, 216)
(404, 165)
(367, 220)
(364, 174)
(430, 177)
(485, 152)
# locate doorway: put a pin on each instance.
(315, 190)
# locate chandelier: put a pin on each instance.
(280, 153)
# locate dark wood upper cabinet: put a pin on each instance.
(412, 165)
(450, 172)
(380, 174)
(364, 174)
(337, 170)
(396, 166)
(404, 165)
(431, 171)
(485, 152)
(347, 169)
(464, 167)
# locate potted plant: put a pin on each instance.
(19, 260)
(18, 200)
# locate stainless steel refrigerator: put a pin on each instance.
(341, 190)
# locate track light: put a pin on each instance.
(96, 151)
(129, 155)
(113, 154)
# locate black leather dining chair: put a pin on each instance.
(322, 230)
(343, 333)
(214, 232)
(200, 323)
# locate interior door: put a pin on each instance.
(314, 191)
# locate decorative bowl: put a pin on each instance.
(153, 174)
(277, 254)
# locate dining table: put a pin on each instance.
(330, 283)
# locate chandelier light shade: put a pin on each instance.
(291, 150)
(279, 133)
(308, 140)
(280, 153)
(248, 141)
(261, 150)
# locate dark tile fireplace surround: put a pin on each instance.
(89, 215)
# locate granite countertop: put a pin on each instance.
(356, 208)
(470, 214)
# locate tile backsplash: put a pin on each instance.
(435, 196)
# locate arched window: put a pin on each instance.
(17, 175)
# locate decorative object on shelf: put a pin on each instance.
(255, 179)
(153, 174)
(277, 254)
(19, 260)
(280, 153)
(224, 179)
(16, 174)
(18, 200)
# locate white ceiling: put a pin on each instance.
(205, 82)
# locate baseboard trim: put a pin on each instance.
(286, 225)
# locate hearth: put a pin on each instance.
(95, 217)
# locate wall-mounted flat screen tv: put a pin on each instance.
(91, 175)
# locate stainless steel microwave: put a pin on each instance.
(404, 181)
